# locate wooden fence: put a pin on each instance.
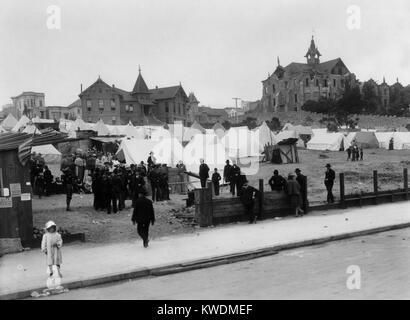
(210, 210)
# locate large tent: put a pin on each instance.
(401, 140)
(332, 141)
(78, 124)
(240, 142)
(207, 147)
(365, 140)
(9, 122)
(133, 151)
(50, 154)
(24, 120)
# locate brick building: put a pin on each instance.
(288, 88)
(141, 106)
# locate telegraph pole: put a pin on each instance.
(236, 108)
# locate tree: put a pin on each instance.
(226, 124)
(323, 105)
(370, 99)
(274, 124)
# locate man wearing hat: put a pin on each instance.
(329, 181)
(143, 215)
(247, 197)
(302, 180)
(203, 173)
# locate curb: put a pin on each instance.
(202, 263)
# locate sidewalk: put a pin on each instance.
(88, 264)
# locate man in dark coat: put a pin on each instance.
(68, 182)
(234, 179)
(143, 215)
(116, 190)
(349, 152)
(48, 178)
(247, 198)
(277, 182)
(227, 171)
(203, 173)
(153, 177)
(302, 180)
(216, 177)
(97, 190)
(329, 181)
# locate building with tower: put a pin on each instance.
(289, 87)
(140, 106)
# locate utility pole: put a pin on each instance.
(236, 108)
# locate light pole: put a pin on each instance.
(236, 108)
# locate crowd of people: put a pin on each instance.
(354, 153)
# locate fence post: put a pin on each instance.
(261, 198)
(375, 186)
(406, 183)
(342, 190)
(204, 206)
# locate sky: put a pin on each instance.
(219, 49)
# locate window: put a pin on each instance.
(112, 104)
(113, 120)
(317, 82)
(89, 119)
(41, 103)
(266, 90)
(166, 107)
(99, 90)
(334, 82)
(325, 83)
(286, 84)
(131, 108)
(88, 105)
(274, 102)
(307, 82)
(101, 104)
(296, 98)
(273, 88)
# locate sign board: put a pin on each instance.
(6, 202)
(25, 197)
(15, 189)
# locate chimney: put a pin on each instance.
(113, 86)
(156, 87)
(81, 88)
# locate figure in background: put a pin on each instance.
(203, 173)
(277, 182)
(216, 177)
(329, 181)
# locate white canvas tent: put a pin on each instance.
(78, 124)
(9, 122)
(219, 130)
(24, 120)
(31, 129)
(383, 139)
(207, 147)
(241, 143)
(101, 128)
(401, 140)
(50, 154)
(2, 129)
(332, 141)
(264, 136)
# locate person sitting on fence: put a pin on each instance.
(248, 195)
(277, 182)
(216, 177)
(293, 191)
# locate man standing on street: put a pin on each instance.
(329, 181)
(216, 177)
(248, 194)
(203, 173)
(143, 215)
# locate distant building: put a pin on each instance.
(57, 112)
(382, 91)
(75, 110)
(249, 106)
(9, 108)
(288, 88)
(234, 113)
(207, 115)
(31, 104)
(141, 106)
(193, 111)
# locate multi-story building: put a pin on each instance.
(382, 92)
(288, 88)
(57, 112)
(141, 106)
(75, 110)
(31, 104)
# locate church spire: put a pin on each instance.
(313, 53)
(278, 62)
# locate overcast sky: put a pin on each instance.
(217, 48)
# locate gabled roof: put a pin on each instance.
(324, 67)
(140, 85)
(76, 103)
(99, 81)
(192, 98)
(166, 92)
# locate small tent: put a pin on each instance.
(265, 136)
(332, 141)
(401, 140)
(9, 122)
(50, 154)
(31, 129)
(133, 151)
(24, 120)
(383, 138)
(101, 128)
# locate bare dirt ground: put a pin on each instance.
(102, 228)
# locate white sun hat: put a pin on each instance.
(50, 224)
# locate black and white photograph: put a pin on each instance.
(203, 155)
